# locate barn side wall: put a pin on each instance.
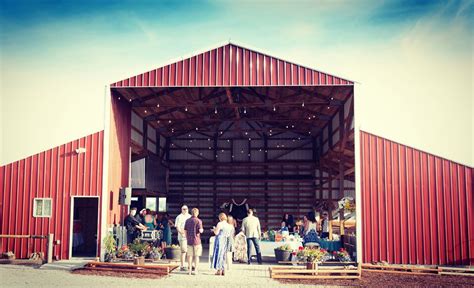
(58, 173)
(417, 208)
(119, 157)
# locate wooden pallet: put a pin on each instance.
(418, 270)
(321, 272)
(160, 269)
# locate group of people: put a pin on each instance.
(148, 220)
(308, 227)
(228, 245)
(190, 228)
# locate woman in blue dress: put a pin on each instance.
(223, 231)
(164, 225)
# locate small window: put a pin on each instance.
(42, 207)
(162, 204)
(151, 203)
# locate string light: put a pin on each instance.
(208, 139)
(186, 109)
(245, 110)
(158, 105)
(292, 126)
(189, 135)
(130, 100)
(332, 98)
(250, 139)
(222, 150)
(197, 128)
(119, 98)
(274, 108)
(302, 104)
(169, 121)
(329, 107)
(215, 110)
(145, 111)
(286, 126)
(158, 121)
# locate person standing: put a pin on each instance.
(222, 231)
(325, 225)
(133, 225)
(251, 229)
(179, 223)
(193, 229)
(229, 258)
(166, 228)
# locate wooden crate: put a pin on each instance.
(321, 272)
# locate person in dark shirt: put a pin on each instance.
(193, 229)
(133, 225)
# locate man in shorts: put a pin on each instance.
(179, 223)
(193, 229)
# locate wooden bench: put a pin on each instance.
(340, 271)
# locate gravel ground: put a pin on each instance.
(241, 275)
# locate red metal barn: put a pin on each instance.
(232, 124)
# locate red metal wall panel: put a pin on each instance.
(58, 173)
(416, 208)
(231, 65)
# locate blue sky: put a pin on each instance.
(69, 50)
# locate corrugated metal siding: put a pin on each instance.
(58, 173)
(231, 65)
(416, 208)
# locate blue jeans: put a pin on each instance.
(257, 249)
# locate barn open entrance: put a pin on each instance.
(277, 149)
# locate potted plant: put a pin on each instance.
(154, 253)
(139, 249)
(110, 246)
(313, 256)
(342, 255)
(283, 253)
(173, 252)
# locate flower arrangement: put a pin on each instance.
(347, 204)
(342, 255)
(314, 255)
(124, 252)
(154, 253)
(139, 248)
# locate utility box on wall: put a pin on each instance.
(125, 196)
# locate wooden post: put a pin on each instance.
(50, 248)
(341, 222)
